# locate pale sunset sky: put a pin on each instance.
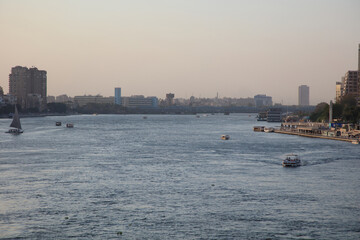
(238, 48)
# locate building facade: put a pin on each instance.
(339, 91)
(304, 95)
(351, 84)
(29, 86)
(118, 96)
(139, 101)
(81, 101)
(261, 100)
(170, 99)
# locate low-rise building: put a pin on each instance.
(261, 100)
(83, 100)
(139, 101)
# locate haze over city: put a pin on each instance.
(199, 48)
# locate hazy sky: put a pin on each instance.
(237, 48)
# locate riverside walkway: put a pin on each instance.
(313, 135)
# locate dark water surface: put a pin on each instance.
(171, 177)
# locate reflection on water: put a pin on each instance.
(172, 177)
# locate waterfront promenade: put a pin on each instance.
(345, 133)
(314, 135)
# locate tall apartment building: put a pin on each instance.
(339, 90)
(29, 86)
(118, 96)
(351, 83)
(304, 96)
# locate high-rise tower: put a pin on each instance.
(304, 96)
(29, 85)
(118, 96)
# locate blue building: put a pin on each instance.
(118, 96)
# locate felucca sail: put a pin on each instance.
(16, 120)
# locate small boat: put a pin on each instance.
(355, 142)
(69, 125)
(58, 124)
(144, 117)
(269, 129)
(225, 137)
(258, 128)
(291, 160)
(15, 124)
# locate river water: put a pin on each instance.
(172, 177)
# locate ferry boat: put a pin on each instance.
(225, 137)
(291, 160)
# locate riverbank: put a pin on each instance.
(313, 135)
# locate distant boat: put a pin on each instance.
(225, 137)
(291, 160)
(69, 125)
(58, 124)
(355, 142)
(15, 124)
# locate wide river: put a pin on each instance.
(172, 177)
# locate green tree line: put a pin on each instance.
(345, 110)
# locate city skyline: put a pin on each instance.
(237, 49)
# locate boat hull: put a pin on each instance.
(15, 131)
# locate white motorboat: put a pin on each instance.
(291, 160)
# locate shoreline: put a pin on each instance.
(313, 136)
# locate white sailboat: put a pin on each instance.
(15, 124)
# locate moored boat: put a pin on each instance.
(291, 160)
(258, 128)
(269, 129)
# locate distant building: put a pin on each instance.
(86, 99)
(304, 96)
(170, 99)
(63, 98)
(351, 84)
(339, 91)
(50, 99)
(29, 85)
(140, 101)
(1, 92)
(359, 62)
(118, 96)
(261, 100)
